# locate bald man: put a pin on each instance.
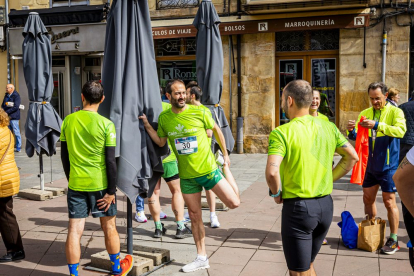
(11, 104)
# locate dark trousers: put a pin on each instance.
(9, 229)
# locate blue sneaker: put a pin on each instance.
(17, 150)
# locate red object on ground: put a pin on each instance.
(361, 147)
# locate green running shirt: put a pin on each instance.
(307, 145)
(170, 157)
(87, 134)
(187, 135)
(322, 117)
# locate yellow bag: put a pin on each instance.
(371, 234)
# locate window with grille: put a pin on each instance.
(177, 4)
(317, 40)
(68, 3)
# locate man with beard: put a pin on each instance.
(185, 127)
(299, 175)
(386, 123)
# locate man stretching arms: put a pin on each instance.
(88, 157)
(299, 175)
(185, 127)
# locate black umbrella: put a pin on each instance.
(42, 127)
(131, 88)
(209, 61)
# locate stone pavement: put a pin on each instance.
(248, 242)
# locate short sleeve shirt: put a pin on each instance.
(307, 145)
(410, 156)
(187, 135)
(171, 157)
(87, 134)
(322, 117)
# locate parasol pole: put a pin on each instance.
(42, 178)
(130, 235)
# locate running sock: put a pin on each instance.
(115, 262)
(202, 258)
(180, 225)
(212, 214)
(73, 269)
(394, 237)
(158, 225)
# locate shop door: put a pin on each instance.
(58, 91)
(319, 70)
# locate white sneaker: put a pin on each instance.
(214, 222)
(140, 217)
(163, 215)
(187, 217)
(196, 265)
(219, 158)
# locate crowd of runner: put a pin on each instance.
(300, 171)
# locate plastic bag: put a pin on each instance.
(349, 230)
(361, 147)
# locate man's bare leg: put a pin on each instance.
(177, 201)
(369, 197)
(112, 243)
(230, 179)
(226, 189)
(72, 247)
(211, 200)
(154, 203)
(392, 211)
(193, 202)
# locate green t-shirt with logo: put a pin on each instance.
(170, 157)
(186, 132)
(307, 145)
(208, 111)
(87, 134)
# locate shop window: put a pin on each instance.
(68, 3)
(307, 41)
(177, 4)
(175, 47)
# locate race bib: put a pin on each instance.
(10, 104)
(186, 145)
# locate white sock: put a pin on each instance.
(212, 214)
(202, 258)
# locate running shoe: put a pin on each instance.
(180, 234)
(160, 232)
(187, 217)
(127, 264)
(325, 242)
(140, 217)
(196, 265)
(390, 247)
(219, 158)
(163, 215)
(214, 222)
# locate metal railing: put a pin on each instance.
(177, 4)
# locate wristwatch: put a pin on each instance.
(276, 195)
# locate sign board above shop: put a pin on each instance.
(270, 26)
(87, 38)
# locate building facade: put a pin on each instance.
(335, 45)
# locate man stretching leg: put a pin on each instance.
(88, 157)
(185, 127)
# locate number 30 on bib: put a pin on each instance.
(186, 145)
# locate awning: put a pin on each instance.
(61, 15)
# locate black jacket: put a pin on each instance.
(12, 111)
(408, 109)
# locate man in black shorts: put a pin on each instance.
(299, 175)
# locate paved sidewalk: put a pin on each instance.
(248, 242)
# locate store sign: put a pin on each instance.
(178, 73)
(270, 26)
(66, 38)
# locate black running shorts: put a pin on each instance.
(305, 223)
(80, 204)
